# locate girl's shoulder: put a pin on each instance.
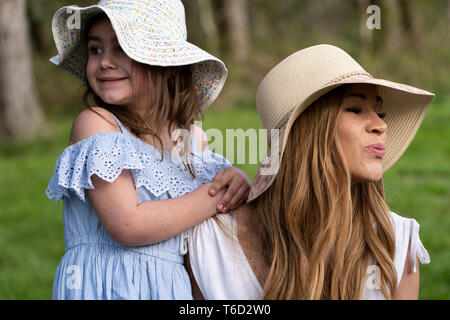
(92, 121)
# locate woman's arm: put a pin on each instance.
(408, 289)
(196, 292)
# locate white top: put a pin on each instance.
(222, 271)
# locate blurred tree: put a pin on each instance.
(365, 34)
(37, 14)
(413, 25)
(20, 113)
(391, 22)
(235, 15)
(201, 25)
(233, 26)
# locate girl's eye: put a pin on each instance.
(382, 115)
(354, 110)
(95, 50)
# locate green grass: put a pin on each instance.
(31, 229)
(418, 186)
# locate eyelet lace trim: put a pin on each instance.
(108, 154)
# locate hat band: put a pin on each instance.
(336, 80)
(348, 75)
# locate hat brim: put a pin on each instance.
(209, 73)
(405, 108)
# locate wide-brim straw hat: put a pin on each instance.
(152, 32)
(300, 79)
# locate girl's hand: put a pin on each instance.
(237, 184)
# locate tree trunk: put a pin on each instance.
(391, 22)
(20, 113)
(235, 17)
(365, 34)
(201, 25)
(413, 26)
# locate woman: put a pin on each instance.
(316, 225)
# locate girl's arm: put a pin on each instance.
(133, 224)
(116, 203)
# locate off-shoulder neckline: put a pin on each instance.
(120, 134)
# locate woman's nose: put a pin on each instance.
(377, 125)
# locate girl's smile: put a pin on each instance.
(112, 80)
(109, 69)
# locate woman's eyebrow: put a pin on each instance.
(363, 96)
(357, 95)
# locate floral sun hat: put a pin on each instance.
(152, 32)
(303, 77)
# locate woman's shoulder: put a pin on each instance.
(403, 227)
(92, 121)
(396, 218)
(401, 222)
(406, 232)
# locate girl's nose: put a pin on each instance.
(107, 60)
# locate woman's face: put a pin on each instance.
(109, 69)
(362, 132)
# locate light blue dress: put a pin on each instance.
(94, 266)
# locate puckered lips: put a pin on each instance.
(378, 149)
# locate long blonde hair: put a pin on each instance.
(319, 230)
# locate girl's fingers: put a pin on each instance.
(222, 206)
(218, 183)
(239, 197)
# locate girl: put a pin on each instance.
(131, 190)
(317, 225)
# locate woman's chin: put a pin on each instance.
(374, 175)
(368, 178)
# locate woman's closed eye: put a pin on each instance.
(382, 115)
(354, 110)
(358, 110)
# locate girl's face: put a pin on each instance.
(362, 132)
(109, 69)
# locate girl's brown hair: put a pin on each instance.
(164, 95)
(319, 230)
